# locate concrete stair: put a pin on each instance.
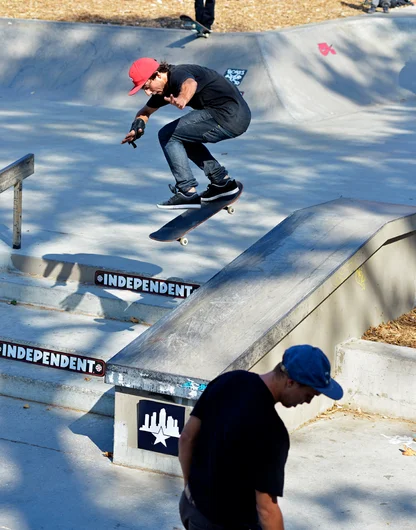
(68, 317)
(60, 331)
(88, 299)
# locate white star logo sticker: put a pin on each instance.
(160, 437)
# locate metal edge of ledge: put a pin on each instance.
(176, 386)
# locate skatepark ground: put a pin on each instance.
(324, 126)
(344, 471)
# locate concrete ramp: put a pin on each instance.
(306, 74)
(88, 64)
(327, 70)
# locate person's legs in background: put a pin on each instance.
(205, 12)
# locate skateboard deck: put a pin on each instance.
(190, 23)
(177, 228)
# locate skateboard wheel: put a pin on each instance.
(183, 241)
(230, 209)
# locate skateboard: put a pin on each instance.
(190, 23)
(178, 227)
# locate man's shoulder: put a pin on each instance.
(232, 381)
(236, 376)
(179, 68)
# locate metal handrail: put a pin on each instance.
(13, 175)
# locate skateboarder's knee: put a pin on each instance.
(165, 134)
(162, 136)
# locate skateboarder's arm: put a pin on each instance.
(269, 512)
(185, 95)
(145, 112)
(186, 445)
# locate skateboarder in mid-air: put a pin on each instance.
(220, 113)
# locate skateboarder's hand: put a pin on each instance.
(130, 137)
(136, 131)
(179, 101)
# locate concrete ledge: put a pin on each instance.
(267, 293)
(322, 275)
(378, 377)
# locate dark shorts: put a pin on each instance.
(193, 519)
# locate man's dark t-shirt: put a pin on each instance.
(214, 93)
(242, 447)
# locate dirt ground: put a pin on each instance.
(230, 15)
(401, 332)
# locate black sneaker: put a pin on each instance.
(180, 201)
(214, 191)
(371, 10)
(385, 7)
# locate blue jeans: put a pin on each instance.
(182, 140)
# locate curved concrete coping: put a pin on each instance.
(245, 310)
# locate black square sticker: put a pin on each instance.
(159, 426)
(235, 75)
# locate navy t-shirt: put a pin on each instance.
(214, 93)
(242, 447)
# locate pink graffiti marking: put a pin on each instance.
(324, 48)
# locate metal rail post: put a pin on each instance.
(13, 175)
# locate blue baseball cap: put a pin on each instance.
(309, 366)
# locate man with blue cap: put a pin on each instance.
(234, 448)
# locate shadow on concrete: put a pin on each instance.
(67, 265)
(57, 478)
(407, 76)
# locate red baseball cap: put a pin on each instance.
(140, 71)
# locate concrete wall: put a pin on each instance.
(378, 290)
(378, 378)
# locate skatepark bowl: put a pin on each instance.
(321, 246)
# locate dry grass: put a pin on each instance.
(231, 15)
(401, 332)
